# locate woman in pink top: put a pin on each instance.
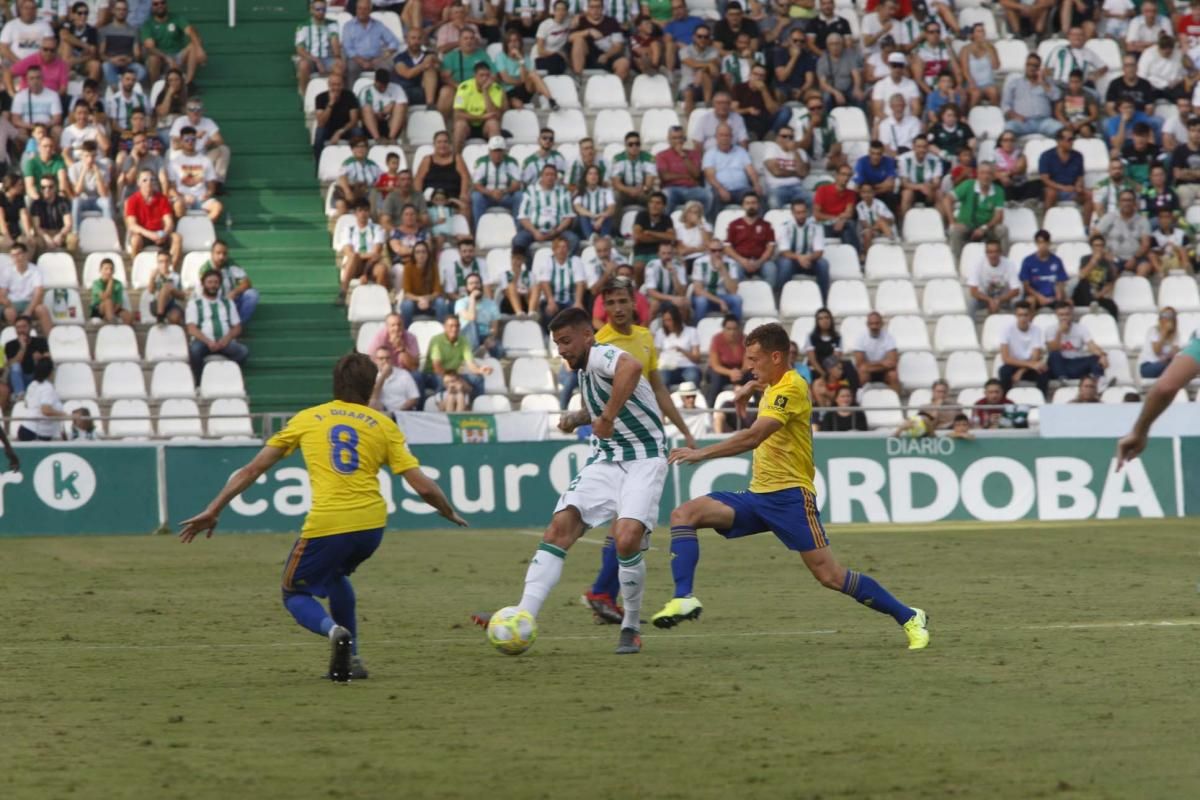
(726, 354)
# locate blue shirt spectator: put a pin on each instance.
(729, 167)
(681, 30)
(1050, 163)
(367, 41)
(1043, 274)
(874, 168)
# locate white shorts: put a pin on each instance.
(608, 490)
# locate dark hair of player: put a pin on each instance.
(572, 317)
(354, 378)
(770, 337)
(618, 283)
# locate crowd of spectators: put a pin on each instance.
(765, 81)
(101, 117)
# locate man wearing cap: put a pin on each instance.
(698, 423)
(478, 105)
(895, 82)
(209, 141)
(495, 180)
(383, 101)
(545, 213)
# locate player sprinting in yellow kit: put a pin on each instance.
(345, 443)
(781, 498)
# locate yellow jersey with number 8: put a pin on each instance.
(344, 447)
(785, 459)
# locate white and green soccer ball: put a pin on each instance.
(512, 631)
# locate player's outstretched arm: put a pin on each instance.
(741, 442)
(14, 463)
(206, 521)
(431, 493)
(1182, 369)
(667, 406)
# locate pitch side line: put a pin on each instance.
(1063, 626)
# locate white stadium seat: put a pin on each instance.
(610, 127)
(116, 343)
(75, 382)
(1065, 224)
(369, 302)
(896, 296)
(221, 379)
(332, 157)
(423, 125)
(495, 231)
(562, 88)
(1021, 222)
(493, 382)
(172, 379)
(986, 121)
(1048, 46)
(1108, 50)
(1064, 394)
(379, 153)
(757, 322)
(1119, 370)
(843, 262)
(97, 234)
(656, 125)
(851, 329)
(918, 398)
(179, 417)
(1027, 396)
(757, 299)
(314, 88)
(955, 332)
(965, 369)
(166, 343)
(522, 124)
(1116, 394)
(1136, 326)
(725, 218)
(943, 296)
(489, 404)
(144, 266)
(1133, 294)
(540, 402)
(58, 271)
(1094, 152)
(197, 233)
(604, 91)
(69, 343)
(423, 330)
(1179, 292)
(910, 332)
(1012, 53)
(933, 260)
(1033, 150)
(123, 379)
(850, 123)
(972, 254)
(923, 225)
(651, 91)
(882, 407)
(569, 125)
(917, 370)
(885, 261)
(706, 329)
(362, 340)
(229, 417)
(1070, 253)
(129, 418)
(969, 17)
(189, 271)
(523, 337)
(1103, 329)
(848, 297)
(531, 375)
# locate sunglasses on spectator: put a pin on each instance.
(189, 138)
(784, 136)
(633, 144)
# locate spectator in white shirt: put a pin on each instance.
(1073, 352)
(22, 292)
(1162, 67)
(360, 251)
(1023, 352)
(876, 354)
(90, 180)
(994, 282)
(895, 82)
(395, 389)
(193, 179)
(1143, 31)
(209, 141)
(45, 422)
(899, 128)
(36, 104)
(384, 108)
(678, 349)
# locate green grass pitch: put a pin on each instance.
(138, 667)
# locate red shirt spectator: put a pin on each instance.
(676, 162)
(1189, 29)
(729, 354)
(833, 201)
(148, 213)
(989, 417)
(641, 307)
(386, 182)
(750, 240)
(903, 7)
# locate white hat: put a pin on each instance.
(687, 387)
(497, 143)
(897, 58)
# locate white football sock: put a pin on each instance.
(545, 568)
(632, 575)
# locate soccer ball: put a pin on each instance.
(512, 631)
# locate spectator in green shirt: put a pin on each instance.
(108, 296)
(449, 354)
(980, 215)
(47, 162)
(459, 65)
(171, 42)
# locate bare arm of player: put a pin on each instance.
(431, 493)
(571, 420)
(741, 442)
(667, 406)
(206, 521)
(1178, 374)
(625, 380)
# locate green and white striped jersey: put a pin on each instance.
(377, 101)
(623, 11)
(633, 171)
(595, 200)
(214, 318)
(638, 430)
(738, 68)
(365, 171)
(664, 278)
(120, 108)
(454, 274)
(823, 139)
(317, 38)
(562, 277)
(490, 175)
(909, 168)
(802, 239)
(545, 209)
(531, 169)
(575, 178)
(1066, 58)
(704, 273)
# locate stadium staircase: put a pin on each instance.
(274, 225)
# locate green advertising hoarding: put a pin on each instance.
(121, 489)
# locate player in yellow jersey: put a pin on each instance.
(781, 498)
(638, 342)
(345, 443)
